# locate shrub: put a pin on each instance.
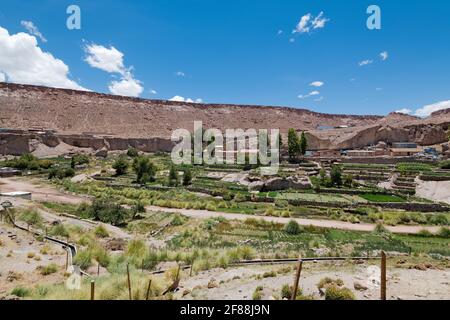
(257, 295)
(187, 177)
(336, 175)
(50, 269)
(326, 282)
(121, 166)
(286, 292)
(132, 153)
(83, 259)
(178, 220)
(292, 228)
(79, 159)
(59, 230)
(144, 169)
(61, 173)
(173, 177)
(105, 211)
(21, 292)
(333, 292)
(31, 217)
(444, 233)
(445, 164)
(240, 198)
(101, 232)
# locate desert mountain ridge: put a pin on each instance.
(86, 117)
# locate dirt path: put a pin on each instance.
(434, 190)
(332, 224)
(39, 190)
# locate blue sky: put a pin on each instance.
(241, 51)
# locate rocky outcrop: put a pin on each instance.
(278, 183)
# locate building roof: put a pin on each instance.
(417, 150)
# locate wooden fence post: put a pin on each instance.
(129, 280)
(92, 290)
(383, 275)
(297, 278)
(98, 269)
(67, 258)
(148, 289)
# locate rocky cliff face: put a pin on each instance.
(92, 120)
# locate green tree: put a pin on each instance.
(293, 144)
(348, 180)
(336, 175)
(144, 169)
(173, 177)
(121, 166)
(303, 143)
(187, 177)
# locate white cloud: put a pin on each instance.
(308, 22)
(303, 25)
(111, 60)
(180, 74)
(24, 62)
(404, 111)
(127, 86)
(319, 99)
(384, 55)
(291, 40)
(317, 84)
(182, 99)
(2, 77)
(320, 21)
(365, 63)
(153, 91)
(106, 59)
(32, 29)
(280, 32)
(429, 109)
(378, 89)
(311, 94)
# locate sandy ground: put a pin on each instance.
(434, 190)
(39, 190)
(204, 214)
(240, 283)
(21, 254)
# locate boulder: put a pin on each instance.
(102, 153)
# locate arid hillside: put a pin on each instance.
(77, 114)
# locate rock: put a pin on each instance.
(212, 284)
(115, 244)
(359, 287)
(102, 153)
(10, 298)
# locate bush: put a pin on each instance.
(61, 173)
(292, 228)
(286, 292)
(50, 269)
(101, 232)
(144, 169)
(178, 220)
(121, 166)
(326, 282)
(105, 211)
(21, 292)
(445, 164)
(79, 159)
(444, 233)
(172, 180)
(187, 177)
(333, 292)
(59, 230)
(83, 259)
(31, 217)
(132, 153)
(257, 295)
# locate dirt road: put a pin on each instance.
(40, 191)
(332, 224)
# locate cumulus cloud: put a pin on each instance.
(180, 74)
(404, 111)
(182, 99)
(384, 55)
(33, 30)
(308, 23)
(317, 84)
(311, 94)
(111, 60)
(429, 109)
(365, 63)
(127, 86)
(22, 61)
